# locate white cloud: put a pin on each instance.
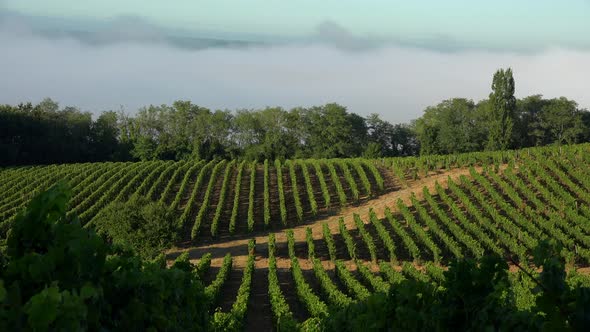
(393, 81)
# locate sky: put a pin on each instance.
(374, 56)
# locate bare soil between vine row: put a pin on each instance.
(238, 246)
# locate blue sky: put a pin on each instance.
(391, 57)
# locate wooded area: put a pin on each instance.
(44, 133)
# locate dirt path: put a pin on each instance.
(238, 247)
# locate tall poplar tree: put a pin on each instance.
(502, 110)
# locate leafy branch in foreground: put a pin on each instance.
(57, 275)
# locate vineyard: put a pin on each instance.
(281, 243)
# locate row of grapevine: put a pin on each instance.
(376, 282)
(137, 181)
(564, 178)
(204, 265)
(358, 166)
(521, 220)
(393, 277)
(468, 241)
(322, 180)
(348, 240)
(282, 316)
(281, 189)
(206, 203)
(165, 178)
(76, 173)
(375, 172)
(18, 200)
(234, 319)
(92, 191)
(349, 281)
(410, 272)
(251, 196)
(9, 211)
(112, 192)
(310, 243)
(181, 186)
(266, 193)
(383, 235)
(433, 227)
(508, 240)
(367, 238)
(213, 290)
(11, 178)
(572, 227)
(221, 200)
(32, 181)
(295, 191)
(577, 214)
(549, 224)
(188, 210)
(309, 188)
(349, 179)
(315, 306)
(409, 243)
(333, 295)
(236, 205)
(149, 180)
(329, 239)
(337, 184)
(419, 231)
(572, 202)
(399, 172)
(176, 176)
(509, 225)
(202, 169)
(467, 223)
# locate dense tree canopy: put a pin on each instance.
(44, 133)
(451, 127)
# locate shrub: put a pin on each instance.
(56, 275)
(144, 226)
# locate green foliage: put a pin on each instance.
(236, 204)
(383, 234)
(281, 190)
(323, 185)
(213, 290)
(295, 190)
(266, 193)
(45, 134)
(146, 227)
(372, 151)
(473, 296)
(309, 187)
(222, 197)
(57, 275)
(205, 204)
(315, 306)
(449, 127)
(366, 236)
(251, 196)
(283, 317)
(502, 111)
(234, 319)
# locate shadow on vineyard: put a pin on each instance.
(475, 296)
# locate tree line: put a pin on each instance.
(500, 122)
(44, 133)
